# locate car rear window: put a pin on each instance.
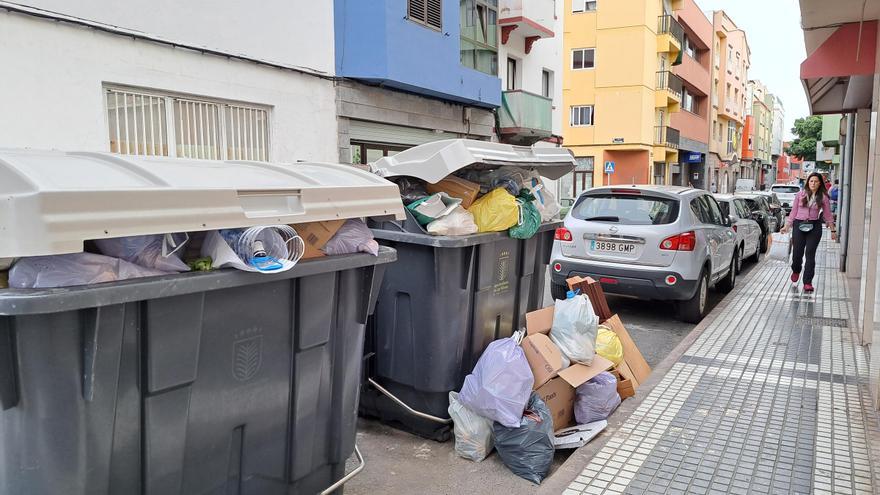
(627, 209)
(785, 189)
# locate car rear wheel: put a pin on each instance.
(756, 257)
(764, 247)
(738, 257)
(558, 291)
(694, 309)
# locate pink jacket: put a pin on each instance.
(801, 212)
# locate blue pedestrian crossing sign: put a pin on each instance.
(609, 167)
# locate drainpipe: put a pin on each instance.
(846, 191)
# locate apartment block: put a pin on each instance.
(619, 90)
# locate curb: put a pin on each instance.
(580, 458)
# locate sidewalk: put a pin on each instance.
(771, 397)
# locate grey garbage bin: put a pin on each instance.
(447, 298)
(194, 383)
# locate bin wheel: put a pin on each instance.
(558, 291)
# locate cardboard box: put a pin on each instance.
(554, 385)
(634, 367)
(456, 187)
(593, 290)
(315, 235)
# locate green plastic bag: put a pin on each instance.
(530, 217)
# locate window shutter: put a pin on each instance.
(417, 10)
(435, 13)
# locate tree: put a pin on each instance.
(808, 131)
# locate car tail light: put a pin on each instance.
(563, 234)
(625, 191)
(686, 241)
(734, 228)
(557, 267)
(606, 280)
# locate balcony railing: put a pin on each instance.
(666, 136)
(525, 116)
(668, 25)
(670, 82)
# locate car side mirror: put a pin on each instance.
(730, 220)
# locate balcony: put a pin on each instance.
(530, 19)
(666, 141)
(668, 93)
(670, 36)
(525, 118)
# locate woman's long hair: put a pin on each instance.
(821, 193)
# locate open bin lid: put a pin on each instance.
(53, 201)
(433, 161)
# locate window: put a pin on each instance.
(717, 54)
(426, 12)
(583, 58)
(659, 173)
(364, 153)
(546, 83)
(583, 6)
(689, 47)
(511, 74)
(688, 102)
(731, 136)
(715, 94)
(582, 115)
(626, 209)
(713, 210)
(727, 95)
(146, 123)
(479, 35)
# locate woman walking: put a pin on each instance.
(808, 205)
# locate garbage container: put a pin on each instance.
(194, 383)
(447, 298)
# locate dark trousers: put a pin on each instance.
(805, 242)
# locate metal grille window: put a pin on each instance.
(153, 124)
(136, 123)
(427, 12)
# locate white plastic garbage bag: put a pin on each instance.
(500, 384)
(458, 222)
(473, 433)
(780, 246)
(574, 329)
(152, 251)
(353, 237)
(66, 270)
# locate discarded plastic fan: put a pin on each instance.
(263, 248)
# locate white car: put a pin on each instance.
(748, 232)
(786, 194)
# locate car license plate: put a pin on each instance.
(612, 247)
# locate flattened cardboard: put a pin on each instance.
(559, 397)
(544, 357)
(625, 386)
(577, 374)
(315, 236)
(637, 368)
(540, 321)
(456, 187)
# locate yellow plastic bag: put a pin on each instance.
(608, 345)
(496, 211)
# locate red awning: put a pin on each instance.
(838, 76)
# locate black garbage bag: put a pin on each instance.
(411, 189)
(527, 450)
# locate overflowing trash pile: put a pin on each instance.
(550, 386)
(263, 249)
(470, 201)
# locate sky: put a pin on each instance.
(773, 30)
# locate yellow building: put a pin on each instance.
(618, 89)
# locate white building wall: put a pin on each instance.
(54, 74)
(777, 135)
(291, 32)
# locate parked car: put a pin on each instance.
(775, 208)
(745, 185)
(786, 194)
(760, 211)
(748, 232)
(652, 242)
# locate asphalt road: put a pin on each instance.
(401, 463)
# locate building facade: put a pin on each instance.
(619, 90)
(414, 71)
(693, 119)
(114, 79)
(730, 65)
(756, 133)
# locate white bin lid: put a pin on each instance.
(434, 161)
(53, 201)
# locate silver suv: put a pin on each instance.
(651, 242)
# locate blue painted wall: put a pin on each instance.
(375, 42)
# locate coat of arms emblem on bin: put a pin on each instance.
(247, 355)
